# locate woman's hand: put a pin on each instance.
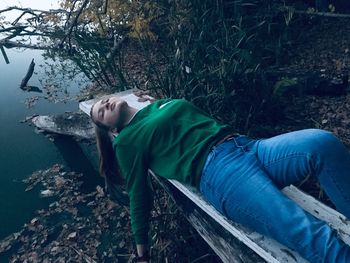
(141, 255)
(138, 259)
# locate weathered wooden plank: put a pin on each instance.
(335, 219)
(267, 248)
(223, 243)
(127, 95)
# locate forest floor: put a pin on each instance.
(88, 227)
(323, 46)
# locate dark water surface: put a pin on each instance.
(23, 151)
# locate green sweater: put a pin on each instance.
(173, 139)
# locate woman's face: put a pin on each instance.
(109, 111)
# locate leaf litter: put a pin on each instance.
(89, 227)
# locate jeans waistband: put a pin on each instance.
(240, 141)
(226, 138)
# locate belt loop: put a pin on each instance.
(237, 145)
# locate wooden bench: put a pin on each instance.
(231, 241)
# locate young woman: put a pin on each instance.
(239, 176)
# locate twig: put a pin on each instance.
(105, 7)
(16, 28)
(11, 44)
(86, 257)
(165, 247)
(18, 18)
(200, 258)
(123, 255)
(325, 14)
(69, 15)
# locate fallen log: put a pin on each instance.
(32, 89)
(4, 54)
(28, 75)
(306, 82)
(74, 124)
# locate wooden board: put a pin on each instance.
(218, 231)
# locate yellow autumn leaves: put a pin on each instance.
(110, 16)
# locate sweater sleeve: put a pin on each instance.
(133, 166)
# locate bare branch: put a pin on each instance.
(32, 11)
(105, 7)
(18, 18)
(74, 23)
(70, 14)
(11, 44)
(325, 14)
(15, 28)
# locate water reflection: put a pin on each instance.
(22, 151)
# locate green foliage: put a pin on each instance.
(284, 85)
(217, 53)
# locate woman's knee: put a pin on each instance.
(322, 141)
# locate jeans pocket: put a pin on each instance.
(210, 158)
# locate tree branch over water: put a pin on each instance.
(31, 22)
(75, 22)
(11, 44)
(82, 31)
(34, 11)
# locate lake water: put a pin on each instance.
(23, 151)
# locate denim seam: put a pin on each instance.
(207, 162)
(290, 156)
(246, 213)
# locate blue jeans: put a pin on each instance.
(242, 179)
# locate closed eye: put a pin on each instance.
(104, 101)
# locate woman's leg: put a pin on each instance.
(290, 157)
(238, 186)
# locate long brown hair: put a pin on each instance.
(108, 166)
